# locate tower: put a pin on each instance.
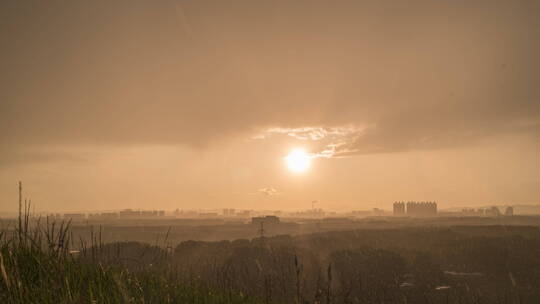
(399, 208)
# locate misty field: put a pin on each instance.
(41, 262)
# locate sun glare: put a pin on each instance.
(298, 161)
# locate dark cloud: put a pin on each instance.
(410, 75)
(31, 155)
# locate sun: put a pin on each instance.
(298, 161)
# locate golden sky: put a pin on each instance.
(195, 104)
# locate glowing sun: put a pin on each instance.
(298, 160)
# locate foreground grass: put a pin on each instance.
(36, 267)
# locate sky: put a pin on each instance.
(195, 104)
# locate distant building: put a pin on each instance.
(509, 211)
(399, 208)
(148, 213)
(103, 216)
(229, 212)
(243, 214)
(140, 214)
(109, 215)
(269, 219)
(54, 216)
(493, 211)
(421, 208)
(74, 216)
(378, 212)
(310, 213)
(361, 213)
(472, 212)
(129, 213)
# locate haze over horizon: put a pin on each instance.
(201, 104)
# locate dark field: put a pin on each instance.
(153, 231)
(448, 260)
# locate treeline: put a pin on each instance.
(415, 265)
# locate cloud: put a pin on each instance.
(356, 78)
(33, 155)
(312, 133)
(268, 191)
(330, 139)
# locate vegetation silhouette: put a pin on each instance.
(41, 262)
